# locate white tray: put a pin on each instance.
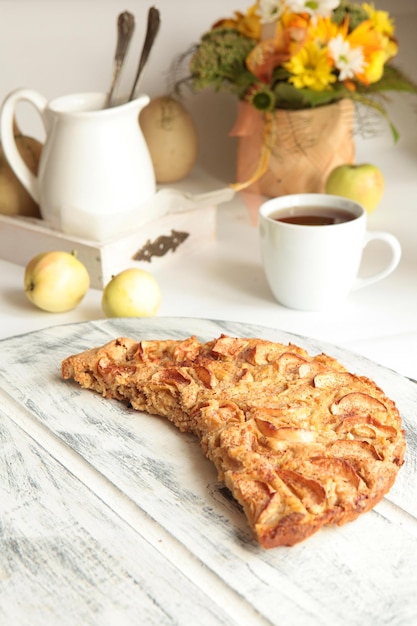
(183, 223)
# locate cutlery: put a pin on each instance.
(125, 29)
(152, 29)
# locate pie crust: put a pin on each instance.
(298, 440)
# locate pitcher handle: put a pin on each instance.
(7, 116)
(393, 243)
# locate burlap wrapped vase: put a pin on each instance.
(292, 151)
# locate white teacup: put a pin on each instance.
(312, 259)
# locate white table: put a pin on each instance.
(87, 539)
(226, 281)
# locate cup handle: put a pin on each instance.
(395, 246)
(7, 116)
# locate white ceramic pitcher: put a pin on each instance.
(95, 171)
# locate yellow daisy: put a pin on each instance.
(310, 68)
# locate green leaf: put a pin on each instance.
(392, 80)
(288, 96)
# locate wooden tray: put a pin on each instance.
(151, 246)
(179, 221)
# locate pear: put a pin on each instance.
(14, 199)
(171, 137)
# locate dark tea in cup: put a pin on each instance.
(314, 216)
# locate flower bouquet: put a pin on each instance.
(299, 55)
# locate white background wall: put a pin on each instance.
(63, 46)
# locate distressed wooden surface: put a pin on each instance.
(112, 516)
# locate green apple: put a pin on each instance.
(363, 183)
(56, 281)
(131, 293)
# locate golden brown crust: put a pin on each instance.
(299, 441)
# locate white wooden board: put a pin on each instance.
(111, 516)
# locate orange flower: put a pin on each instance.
(350, 85)
(268, 54)
(291, 33)
(247, 24)
(297, 26)
(365, 35)
(264, 58)
(371, 43)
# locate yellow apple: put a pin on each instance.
(56, 281)
(131, 293)
(363, 183)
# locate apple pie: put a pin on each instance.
(298, 440)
